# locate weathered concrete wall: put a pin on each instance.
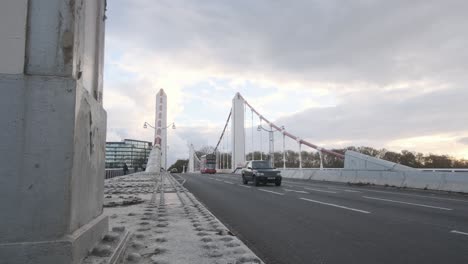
(88, 159)
(53, 148)
(66, 38)
(37, 155)
(12, 35)
(443, 181)
(53, 131)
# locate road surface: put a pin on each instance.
(318, 222)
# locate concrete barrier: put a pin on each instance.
(357, 161)
(224, 171)
(442, 181)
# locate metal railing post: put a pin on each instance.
(284, 150)
(321, 159)
(300, 154)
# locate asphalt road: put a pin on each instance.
(317, 222)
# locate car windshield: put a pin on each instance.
(261, 165)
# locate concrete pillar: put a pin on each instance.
(53, 130)
(154, 160)
(191, 163)
(238, 132)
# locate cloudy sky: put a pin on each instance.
(387, 74)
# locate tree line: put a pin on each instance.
(311, 159)
(404, 157)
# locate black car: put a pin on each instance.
(260, 171)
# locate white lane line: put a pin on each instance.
(263, 190)
(459, 232)
(218, 180)
(336, 205)
(417, 195)
(415, 204)
(289, 190)
(317, 190)
(397, 193)
(351, 191)
(245, 186)
(228, 182)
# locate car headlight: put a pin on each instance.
(260, 173)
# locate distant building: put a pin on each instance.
(129, 151)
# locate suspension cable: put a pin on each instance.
(224, 129)
(339, 155)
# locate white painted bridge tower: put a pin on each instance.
(238, 132)
(158, 155)
(160, 132)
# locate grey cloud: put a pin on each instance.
(379, 41)
(463, 140)
(376, 42)
(384, 118)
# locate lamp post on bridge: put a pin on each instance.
(271, 143)
(146, 124)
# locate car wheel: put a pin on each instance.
(244, 181)
(256, 181)
(278, 183)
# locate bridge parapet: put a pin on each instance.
(418, 179)
(357, 161)
(154, 161)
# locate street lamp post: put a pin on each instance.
(271, 142)
(146, 125)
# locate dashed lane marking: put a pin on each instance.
(263, 190)
(336, 205)
(398, 193)
(459, 232)
(317, 190)
(245, 186)
(401, 202)
(289, 190)
(228, 182)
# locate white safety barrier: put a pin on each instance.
(224, 171)
(442, 181)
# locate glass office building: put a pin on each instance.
(129, 151)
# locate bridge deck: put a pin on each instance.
(315, 222)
